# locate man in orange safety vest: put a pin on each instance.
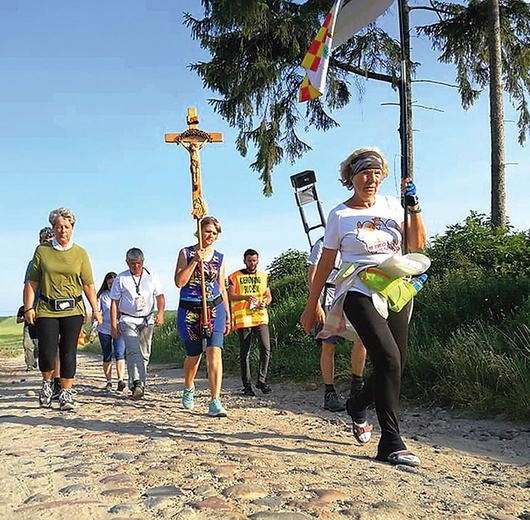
(249, 295)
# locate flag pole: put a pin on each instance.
(404, 107)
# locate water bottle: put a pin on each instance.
(418, 281)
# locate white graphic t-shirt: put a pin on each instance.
(366, 236)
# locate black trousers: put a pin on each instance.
(61, 332)
(386, 343)
(245, 337)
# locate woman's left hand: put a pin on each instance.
(227, 328)
(408, 189)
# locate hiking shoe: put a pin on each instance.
(137, 391)
(46, 392)
(357, 384)
(264, 387)
(108, 387)
(333, 402)
(248, 390)
(187, 398)
(121, 386)
(215, 409)
(65, 400)
(56, 389)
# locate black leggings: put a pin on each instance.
(386, 343)
(62, 332)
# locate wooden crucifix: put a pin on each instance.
(193, 139)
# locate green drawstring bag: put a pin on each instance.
(397, 291)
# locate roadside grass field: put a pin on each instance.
(10, 336)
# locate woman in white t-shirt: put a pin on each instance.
(368, 229)
(110, 347)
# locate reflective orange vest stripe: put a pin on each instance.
(245, 285)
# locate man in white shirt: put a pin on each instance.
(332, 401)
(137, 305)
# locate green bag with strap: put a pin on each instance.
(397, 291)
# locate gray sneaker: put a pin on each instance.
(137, 391)
(333, 402)
(65, 400)
(46, 392)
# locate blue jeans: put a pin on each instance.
(108, 345)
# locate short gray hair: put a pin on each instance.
(58, 213)
(134, 254)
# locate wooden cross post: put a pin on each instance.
(194, 139)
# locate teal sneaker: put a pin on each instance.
(187, 398)
(215, 409)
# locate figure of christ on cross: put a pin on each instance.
(193, 139)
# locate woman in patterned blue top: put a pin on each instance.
(189, 327)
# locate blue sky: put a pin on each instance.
(88, 91)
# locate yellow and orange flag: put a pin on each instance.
(341, 23)
(316, 60)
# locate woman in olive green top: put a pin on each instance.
(62, 272)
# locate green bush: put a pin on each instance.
(292, 286)
(292, 262)
(463, 299)
(475, 247)
(473, 369)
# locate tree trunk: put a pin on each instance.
(498, 165)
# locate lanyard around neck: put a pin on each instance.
(137, 285)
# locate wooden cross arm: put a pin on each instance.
(215, 137)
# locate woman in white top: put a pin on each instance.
(367, 229)
(108, 343)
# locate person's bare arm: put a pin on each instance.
(160, 306)
(114, 331)
(183, 269)
(313, 311)
(90, 293)
(30, 290)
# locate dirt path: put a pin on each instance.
(274, 457)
